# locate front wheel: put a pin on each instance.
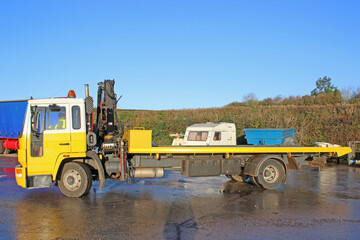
(75, 180)
(271, 174)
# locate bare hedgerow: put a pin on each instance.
(334, 123)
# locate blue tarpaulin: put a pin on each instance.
(12, 114)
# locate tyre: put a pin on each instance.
(75, 180)
(271, 174)
(2, 148)
(89, 174)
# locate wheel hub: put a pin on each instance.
(270, 174)
(72, 180)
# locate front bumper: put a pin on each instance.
(20, 175)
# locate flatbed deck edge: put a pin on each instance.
(335, 151)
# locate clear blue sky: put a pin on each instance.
(177, 54)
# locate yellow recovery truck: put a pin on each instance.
(61, 144)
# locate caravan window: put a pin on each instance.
(217, 136)
(197, 136)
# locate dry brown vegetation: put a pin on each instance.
(334, 123)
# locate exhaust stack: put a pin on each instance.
(87, 94)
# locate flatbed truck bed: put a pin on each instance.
(265, 166)
(140, 142)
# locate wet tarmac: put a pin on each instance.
(313, 204)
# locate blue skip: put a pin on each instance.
(270, 136)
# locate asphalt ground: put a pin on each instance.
(315, 203)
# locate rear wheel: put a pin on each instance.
(271, 174)
(2, 148)
(75, 180)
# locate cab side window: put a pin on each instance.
(56, 120)
(76, 120)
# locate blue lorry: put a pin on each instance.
(12, 114)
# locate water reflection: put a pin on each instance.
(334, 180)
(181, 208)
(47, 215)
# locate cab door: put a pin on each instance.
(49, 138)
(78, 129)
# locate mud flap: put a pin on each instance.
(292, 164)
(99, 167)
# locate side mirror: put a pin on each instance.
(34, 118)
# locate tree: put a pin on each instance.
(323, 85)
(357, 94)
(347, 94)
(250, 99)
(356, 97)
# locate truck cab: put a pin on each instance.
(54, 130)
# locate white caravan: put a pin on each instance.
(207, 134)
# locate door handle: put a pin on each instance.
(64, 144)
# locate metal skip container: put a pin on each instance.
(270, 136)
